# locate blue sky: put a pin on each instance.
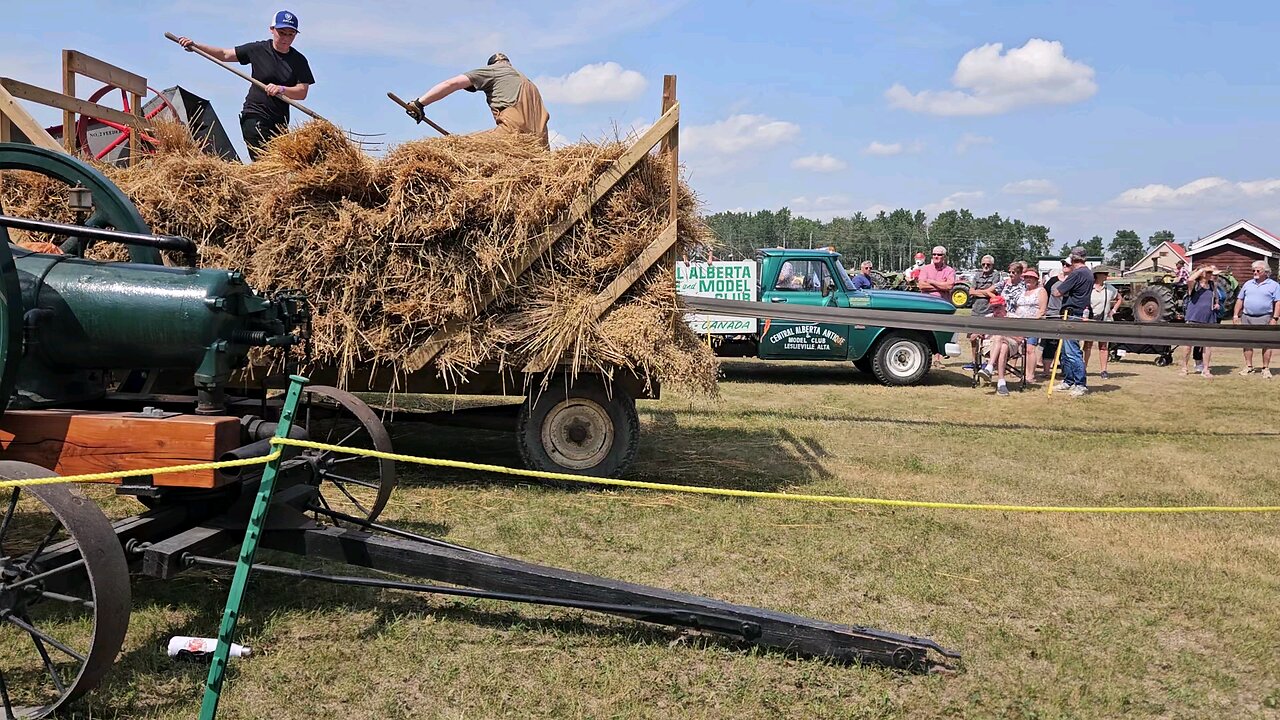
(1085, 116)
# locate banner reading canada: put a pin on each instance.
(723, 280)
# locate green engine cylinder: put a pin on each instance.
(82, 318)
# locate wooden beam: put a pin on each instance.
(23, 91)
(671, 145)
(577, 210)
(6, 129)
(22, 120)
(72, 442)
(135, 146)
(68, 117)
(628, 277)
(106, 72)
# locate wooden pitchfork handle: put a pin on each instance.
(257, 83)
(396, 99)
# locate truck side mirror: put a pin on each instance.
(828, 286)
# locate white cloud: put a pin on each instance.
(878, 208)
(969, 140)
(954, 201)
(1030, 187)
(1046, 206)
(880, 149)
(819, 163)
(594, 83)
(738, 133)
(1206, 191)
(991, 81)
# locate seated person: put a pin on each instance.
(1000, 349)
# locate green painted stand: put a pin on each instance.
(217, 671)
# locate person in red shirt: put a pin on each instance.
(937, 279)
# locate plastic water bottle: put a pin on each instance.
(196, 648)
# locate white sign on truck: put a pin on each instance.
(725, 280)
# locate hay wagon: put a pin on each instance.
(568, 419)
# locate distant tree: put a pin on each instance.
(1065, 250)
(1126, 248)
(1094, 246)
(1038, 241)
(1160, 236)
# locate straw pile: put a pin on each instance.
(390, 249)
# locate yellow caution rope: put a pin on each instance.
(104, 476)
(727, 492)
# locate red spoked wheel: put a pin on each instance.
(125, 132)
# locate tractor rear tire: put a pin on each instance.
(1154, 303)
(878, 280)
(578, 427)
(900, 358)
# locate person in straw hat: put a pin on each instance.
(513, 98)
(275, 63)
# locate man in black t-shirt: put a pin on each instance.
(1074, 290)
(277, 65)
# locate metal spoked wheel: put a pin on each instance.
(64, 595)
(350, 484)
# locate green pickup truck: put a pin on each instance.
(817, 278)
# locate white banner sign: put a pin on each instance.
(723, 280)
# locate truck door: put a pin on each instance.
(799, 282)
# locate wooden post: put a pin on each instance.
(68, 117)
(6, 130)
(135, 142)
(671, 144)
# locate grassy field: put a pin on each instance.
(1058, 616)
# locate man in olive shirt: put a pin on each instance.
(514, 100)
(284, 71)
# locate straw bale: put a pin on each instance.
(389, 249)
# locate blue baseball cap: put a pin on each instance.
(285, 19)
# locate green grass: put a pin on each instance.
(1058, 616)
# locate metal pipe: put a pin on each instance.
(159, 242)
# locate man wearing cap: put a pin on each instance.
(1074, 289)
(984, 283)
(937, 279)
(277, 65)
(514, 100)
(1258, 304)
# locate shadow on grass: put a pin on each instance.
(670, 452)
(785, 415)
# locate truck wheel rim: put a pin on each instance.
(905, 358)
(577, 434)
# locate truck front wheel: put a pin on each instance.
(579, 428)
(900, 359)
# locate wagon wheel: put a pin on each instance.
(64, 595)
(125, 132)
(350, 484)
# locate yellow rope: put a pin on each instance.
(103, 476)
(665, 487)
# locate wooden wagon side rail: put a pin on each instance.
(663, 131)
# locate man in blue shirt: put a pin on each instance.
(862, 281)
(1074, 290)
(1258, 303)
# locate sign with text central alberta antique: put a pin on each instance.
(723, 280)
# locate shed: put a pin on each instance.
(1235, 248)
(1162, 257)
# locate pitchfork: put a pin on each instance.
(355, 137)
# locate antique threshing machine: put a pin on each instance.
(126, 366)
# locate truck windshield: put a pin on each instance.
(844, 276)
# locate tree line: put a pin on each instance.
(891, 239)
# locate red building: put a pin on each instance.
(1235, 248)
